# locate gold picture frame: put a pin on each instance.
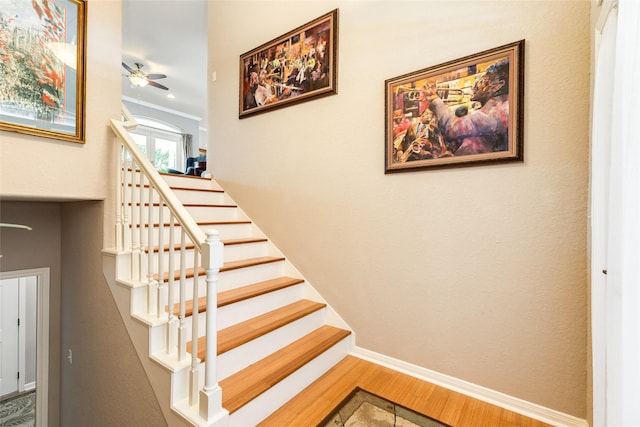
(464, 112)
(42, 68)
(298, 66)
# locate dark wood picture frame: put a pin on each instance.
(42, 68)
(465, 112)
(298, 66)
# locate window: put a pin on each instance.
(160, 142)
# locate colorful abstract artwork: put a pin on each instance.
(42, 68)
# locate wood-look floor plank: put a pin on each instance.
(318, 400)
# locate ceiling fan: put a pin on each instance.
(141, 79)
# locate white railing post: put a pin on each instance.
(212, 260)
(119, 199)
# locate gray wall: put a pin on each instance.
(106, 384)
(39, 248)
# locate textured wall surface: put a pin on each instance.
(478, 273)
(106, 385)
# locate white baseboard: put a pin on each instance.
(484, 394)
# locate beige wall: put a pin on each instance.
(106, 384)
(46, 169)
(479, 273)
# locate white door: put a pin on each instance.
(9, 292)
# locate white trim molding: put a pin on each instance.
(484, 394)
(42, 339)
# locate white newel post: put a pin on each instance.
(211, 394)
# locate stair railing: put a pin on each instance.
(134, 212)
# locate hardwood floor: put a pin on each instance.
(320, 398)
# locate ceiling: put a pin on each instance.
(167, 37)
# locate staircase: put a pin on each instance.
(275, 334)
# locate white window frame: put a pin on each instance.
(153, 129)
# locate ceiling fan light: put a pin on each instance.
(138, 81)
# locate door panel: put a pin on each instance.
(9, 291)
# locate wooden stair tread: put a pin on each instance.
(182, 176)
(231, 265)
(247, 384)
(226, 242)
(199, 223)
(243, 332)
(250, 291)
(189, 205)
(205, 190)
(239, 294)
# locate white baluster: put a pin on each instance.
(161, 292)
(211, 394)
(171, 319)
(144, 247)
(119, 199)
(128, 205)
(195, 363)
(125, 211)
(135, 226)
(182, 332)
(150, 293)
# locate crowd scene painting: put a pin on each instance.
(295, 67)
(457, 112)
(37, 88)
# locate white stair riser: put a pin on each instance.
(226, 280)
(265, 404)
(239, 358)
(243, 310)
(208, 213)
(245, 251)
(157, 339)
(182, 181)
(230, 253)
(233, 279)
(198, 213)
(226, 231)
(185, 196)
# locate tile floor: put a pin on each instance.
(18, 411)
(362, 408)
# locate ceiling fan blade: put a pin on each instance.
(156, 76)
(158, 85)
(126, 67)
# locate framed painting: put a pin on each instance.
(295, 67)
(42, 65)
(461, 113)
